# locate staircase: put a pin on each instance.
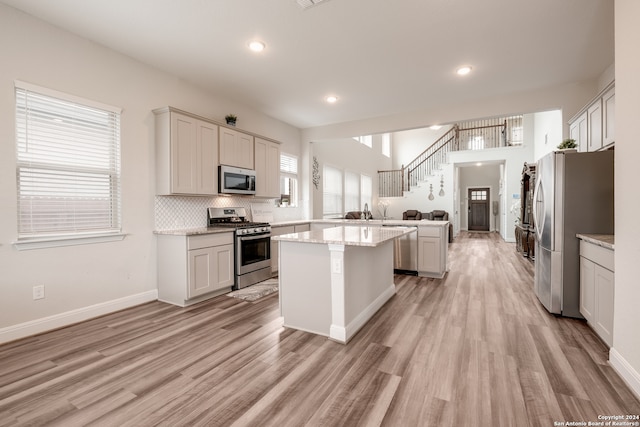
(473, 135)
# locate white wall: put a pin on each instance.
(547, 134)
(625, 354)
(76, 277)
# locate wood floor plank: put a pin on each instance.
(473, 348)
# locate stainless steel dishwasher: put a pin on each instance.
(405, 252)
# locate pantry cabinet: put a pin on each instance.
(597, 288)
(186, 154)
(267, 166)
(593, 128)
(236, 148)
(193, 268)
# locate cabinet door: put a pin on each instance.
(201, 272)
(244, 147)
(236, 148)
(429, 254)
(207, 158)
(267, 166)
(223, 264)
(604, 294)
(578, 131)
(609, 117)
(594, 126)
(227, 149)
(587, 289)
(183, 154)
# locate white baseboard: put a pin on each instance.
(625, 370)
(344, 334)
(56, 321)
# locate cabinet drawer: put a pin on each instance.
(597, 254)
(208, 240)
(429, 231)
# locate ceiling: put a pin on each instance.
(380, 57)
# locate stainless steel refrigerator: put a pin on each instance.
(573, 194)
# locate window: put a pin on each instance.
(476, 143)
(352, 192)
(386, 144)
(517, 135)
(68, 164)
(288, 180)
(366, 140)
(332, 192)
(479, 194)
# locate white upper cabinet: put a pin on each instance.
(578, 132)
(609, 117)
(186, 154)
(594, 127)
(267, 165)
(236, 148)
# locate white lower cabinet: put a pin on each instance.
(432, 251)
(194, 268)
(597, 288)
(279, 231)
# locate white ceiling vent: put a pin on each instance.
(305, 4)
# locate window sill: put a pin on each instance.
(54, 242)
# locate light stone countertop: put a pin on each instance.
(348, 235)
(346, 222)
(193, 231)
(605, 240)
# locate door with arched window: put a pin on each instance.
(478, 209)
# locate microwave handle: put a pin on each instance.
(251, 182)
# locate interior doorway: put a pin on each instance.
(478, 219)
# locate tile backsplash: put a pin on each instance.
(176, 212)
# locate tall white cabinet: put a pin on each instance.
(186, 154)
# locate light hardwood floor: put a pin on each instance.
(472, 349)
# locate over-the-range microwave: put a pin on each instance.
(234, 180)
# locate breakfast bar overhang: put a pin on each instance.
(333, 281)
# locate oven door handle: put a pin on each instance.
(255, 236)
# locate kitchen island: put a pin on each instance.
(333, 281)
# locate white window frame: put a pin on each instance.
(352, 191)
(50, 142)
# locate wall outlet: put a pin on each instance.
(38, 292)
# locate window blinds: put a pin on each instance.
(332, 192)
(68, 165)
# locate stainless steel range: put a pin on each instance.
(252, 244)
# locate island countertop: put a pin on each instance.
(348, 235)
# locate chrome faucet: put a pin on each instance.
(366, 213)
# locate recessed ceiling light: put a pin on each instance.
(478, 164)
(331, 99)
(257, 46)
(463, 71)
(435, 127)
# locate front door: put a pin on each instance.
(478, 209)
